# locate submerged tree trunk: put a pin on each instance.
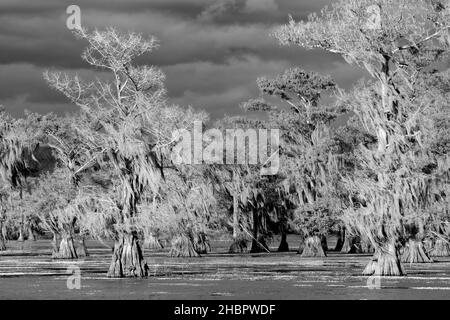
(4, 232)
(55, 247)
(67, 248)
(340, 241)
(313, 247)
(127, 259)
(323, 240)
(414, 252)
(183, 246)
(284, 246)
(385, 262)
(301, 245)
(258, 242)
(82, 247)
(2, 243)
(2, 237)
(441, 248)
(21, 238)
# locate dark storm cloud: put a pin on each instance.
(212, 51)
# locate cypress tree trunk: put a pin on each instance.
(82, 247)
(301, 245)
(239, 244)
(385, 262)
(152, 243)
(55, 247)
(2, 243)
(235, 216)
(414, 252)
(340, 241)
(2, 238)
(67, 248)
(21, 238)
(284, 246)
(127, 259)
(183, 246)
(313, 247)
(323, 240)
(258, 243)
(441, 248)
(4, 232)
(31, 236)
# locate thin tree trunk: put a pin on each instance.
(301, 245)
(127, 259)
(239, 244)
(21, 238)
(55, 247)
(235, 216)
(385, 262)
(31, 236)
(2, 238)
(4, 232)
(313, 247)
(340, 241)
(323, 240)
(82, 247)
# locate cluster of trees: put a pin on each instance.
(372, 165)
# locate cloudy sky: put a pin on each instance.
(211, 51)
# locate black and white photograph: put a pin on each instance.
(225, 155)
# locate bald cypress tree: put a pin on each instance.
(393, 41)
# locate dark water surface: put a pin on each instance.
(32, 274)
